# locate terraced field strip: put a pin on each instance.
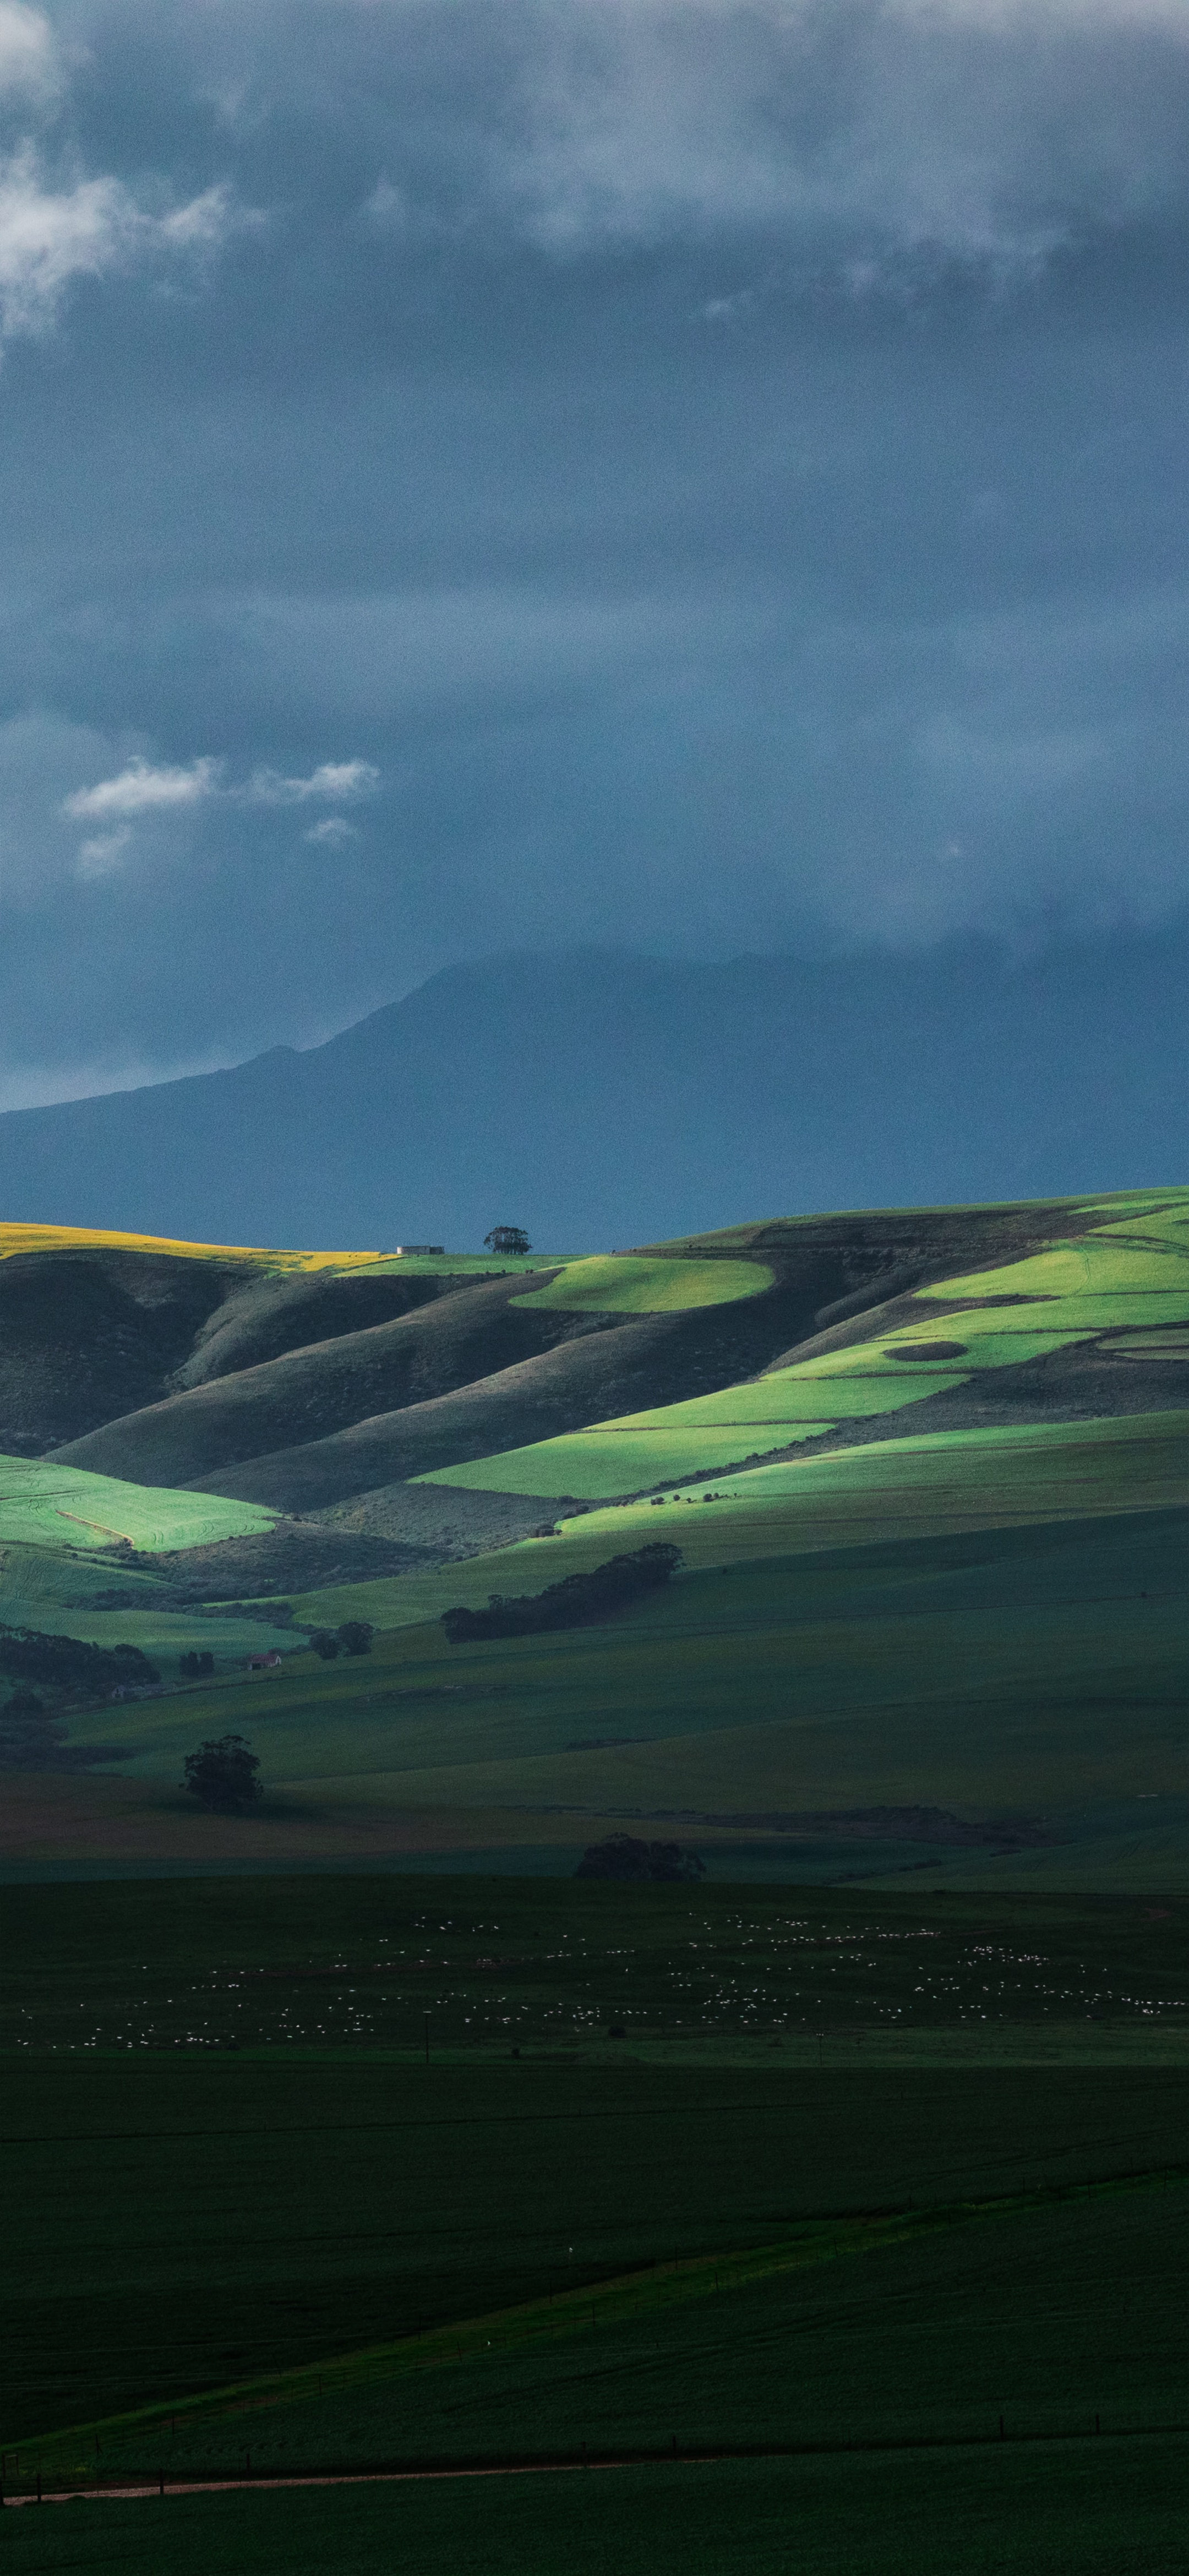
(45, 1504)
(71, 2455)
(636, 1284)
(621, 1458)
(1032, 1471)
(1129, 1279)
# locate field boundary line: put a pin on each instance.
(620, 2299)
(437, 2471)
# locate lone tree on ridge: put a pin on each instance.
(222, 1775)
(507, 1238)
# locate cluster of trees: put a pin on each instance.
(196, 1665)
(70, 1664)
(624, 1856)
(352, 1637)
(507, 1238)
(224, 1775)
(30, 1739)
(576, 1602)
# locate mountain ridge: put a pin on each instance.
(599, 1097)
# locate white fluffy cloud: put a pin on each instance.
(140, 789)
(50, 236)
(334, 781)
(142, 792)
(59, 222)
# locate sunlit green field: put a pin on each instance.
(43, 1503)
(1131, 1273)
(631, 1284)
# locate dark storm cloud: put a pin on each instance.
(704, 475)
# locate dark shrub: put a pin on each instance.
(325, 1643)
(623, 1856)
(222, 1775)
(355, 1636)
(30, 1740)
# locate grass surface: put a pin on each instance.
(42, 1502)
(944, 2297)
(1110, 2509)
(1134, 1272)
(1035, 1671)
(629, 1284)
(849, 2331)
(621, 1457)
(242, 2214)
(184, 1964)
(464, 1265)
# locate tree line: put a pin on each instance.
(576, 1602)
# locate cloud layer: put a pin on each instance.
(695, 473)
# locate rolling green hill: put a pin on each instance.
(928, 1471)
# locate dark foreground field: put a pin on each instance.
(1042, 2510)
(862, 2249)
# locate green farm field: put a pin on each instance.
(866, 2174)
(779, 1710)
(42, 1504)
(1054, 2505)
(629, 1284)
(1131, 1273)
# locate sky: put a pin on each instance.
(698, 476)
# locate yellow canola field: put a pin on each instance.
(84, 1238)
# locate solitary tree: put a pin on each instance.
(222, 1775)
(507, 1238)
(325, 1643)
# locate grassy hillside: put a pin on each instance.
(44, 1503)
(615, 1284)
(928, 1472)
(1120, 1291)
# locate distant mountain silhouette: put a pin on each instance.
(599, 1098)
